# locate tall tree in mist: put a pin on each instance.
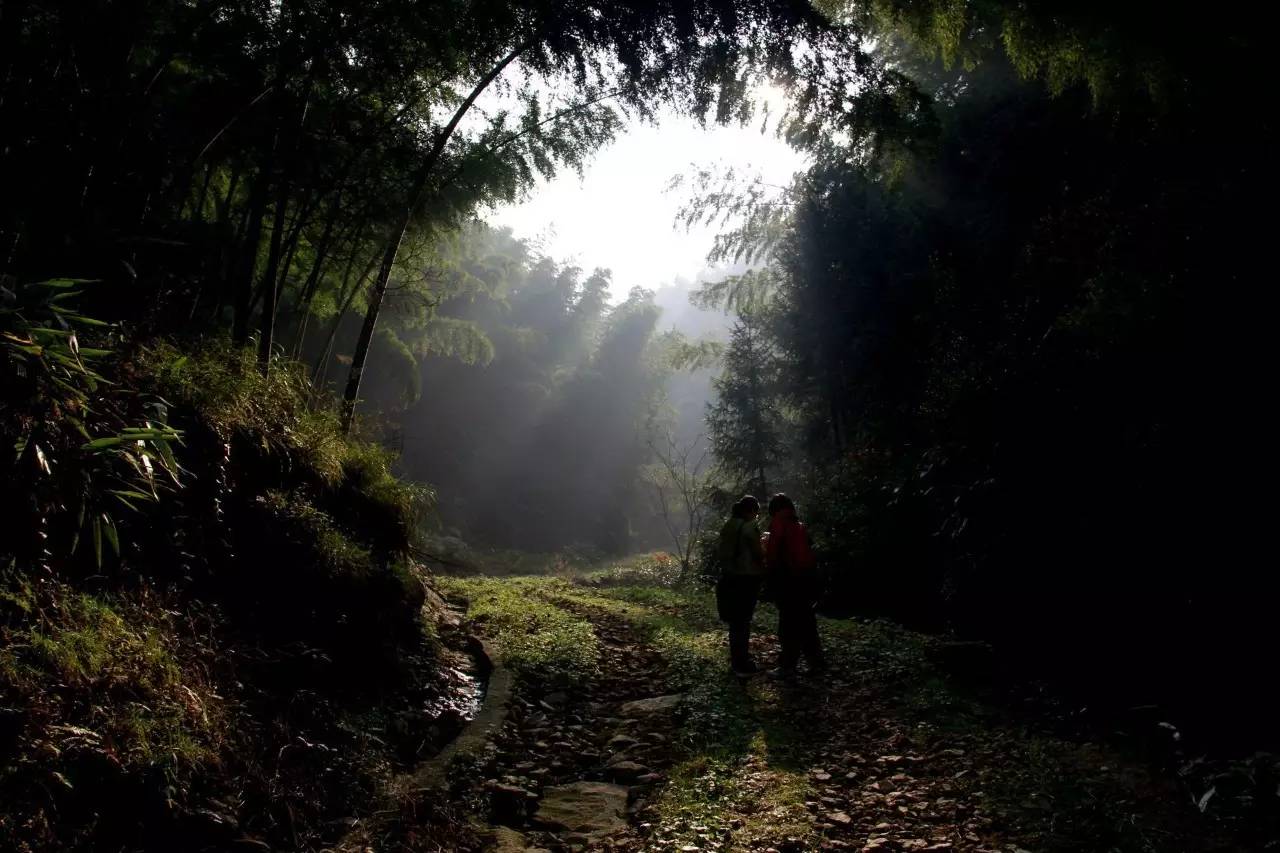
(550, 432)
(744, 423)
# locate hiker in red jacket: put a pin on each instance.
(792, 572)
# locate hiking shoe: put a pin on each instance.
(784, 673)
(745, 671)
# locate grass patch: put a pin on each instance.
(763, 764)
(105, 673)
(92, 642)
(534, 638)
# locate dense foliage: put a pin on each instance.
(185, 583)
(1015, 359)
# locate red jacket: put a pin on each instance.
(788, 553)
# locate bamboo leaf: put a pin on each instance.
(41, 460)
(63, 283)
(104, 443)
(113, 536)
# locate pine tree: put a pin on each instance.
(745, 423)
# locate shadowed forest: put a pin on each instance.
(338, 517)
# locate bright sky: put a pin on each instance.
(618, 215)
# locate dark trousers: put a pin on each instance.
(736, 597)
(798, 630)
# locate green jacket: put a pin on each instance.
(740, 550)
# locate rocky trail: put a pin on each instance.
(658, 750)
(575, 766)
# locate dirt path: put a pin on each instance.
(660, 750)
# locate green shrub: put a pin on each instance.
(657, 568)
(222, 382)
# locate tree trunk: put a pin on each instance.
(295, 237)
(225, 234)
(833, 405)
(243, 279)
(322, 361)
(197, 212)
(312, 284)
(197, 216)
(757, 419)
(416, 194)
(224, 210)
(271, 278)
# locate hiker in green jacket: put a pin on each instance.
(741, 575)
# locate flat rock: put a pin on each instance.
(625, 771)
(507, 841)
(655, 705)
(587, 807)
(508, 801)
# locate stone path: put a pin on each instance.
(574, 763)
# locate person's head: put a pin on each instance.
(747, 507)
(779, 502)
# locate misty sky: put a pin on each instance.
(618, 215)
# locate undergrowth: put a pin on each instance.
(286, 670)
(119, 652)
(280, 436)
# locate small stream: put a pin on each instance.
(466, 677)
(463, 683)
(478, 704)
